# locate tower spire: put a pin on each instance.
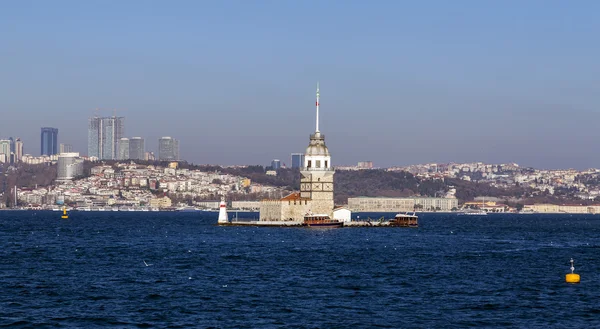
(317, 107)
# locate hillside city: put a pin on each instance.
(127, 185)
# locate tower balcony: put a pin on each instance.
(317, 169)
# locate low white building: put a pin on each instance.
(342, 214)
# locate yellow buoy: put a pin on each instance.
(64, 216)
(572, 277)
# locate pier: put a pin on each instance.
(381, 222)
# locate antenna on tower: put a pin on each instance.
(317, 107)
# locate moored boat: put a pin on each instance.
(405, 220)
(320, 220)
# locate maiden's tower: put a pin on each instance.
(316, 184)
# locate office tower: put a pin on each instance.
(149, 156)
(275, 164)
(104, 134)
(18, 150)
(70, 166)
(123, 149)
(65, 148)
(137, 148)
(168, 149)
(297, 160)
(49, 141)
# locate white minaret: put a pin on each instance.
(223, 218)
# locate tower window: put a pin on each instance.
(317, 163)
(309, 164)
(326, 164)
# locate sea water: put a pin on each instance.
(180, 270)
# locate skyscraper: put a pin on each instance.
(18, 150)
(168, 149)
(49, 141)
(137, 148)
(104, 134)
(297, 160)
(276, 164)
(5, 150)
(123, 149)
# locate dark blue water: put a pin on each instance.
(453, 271)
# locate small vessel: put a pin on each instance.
(472, 212)
(320, 220)
(405, 220)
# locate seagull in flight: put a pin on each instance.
(146, 263)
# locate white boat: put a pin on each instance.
(472, 212)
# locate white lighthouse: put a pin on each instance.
(223, 218)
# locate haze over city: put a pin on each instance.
(234, 81)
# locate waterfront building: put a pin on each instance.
(49, 141)
(275, 164)
(136, 148)
(65, 148)
(316, 184)
(104, 134)
(70, 166)
(123, 149)
(168, 149)
(384, 204)
(297, 160)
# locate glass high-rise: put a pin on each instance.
(275, 164)
(136, 148)
(49, 141)
(123, 149)
(168, 149)
(104, 135)
(297, 160)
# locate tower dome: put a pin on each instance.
(317, 146)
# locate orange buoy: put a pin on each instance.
(572, 277)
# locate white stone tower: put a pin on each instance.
(316, 182)
(223, 219)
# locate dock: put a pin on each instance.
(381, 222)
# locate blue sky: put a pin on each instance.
(401, 82)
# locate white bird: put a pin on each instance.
(146, 263)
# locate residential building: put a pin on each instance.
(297, 160)
(5, 150)
(65, 148)
(70, 166)
(49, 141)
(365, 165)
(18, 150)
(104, 134)
(168, 149)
